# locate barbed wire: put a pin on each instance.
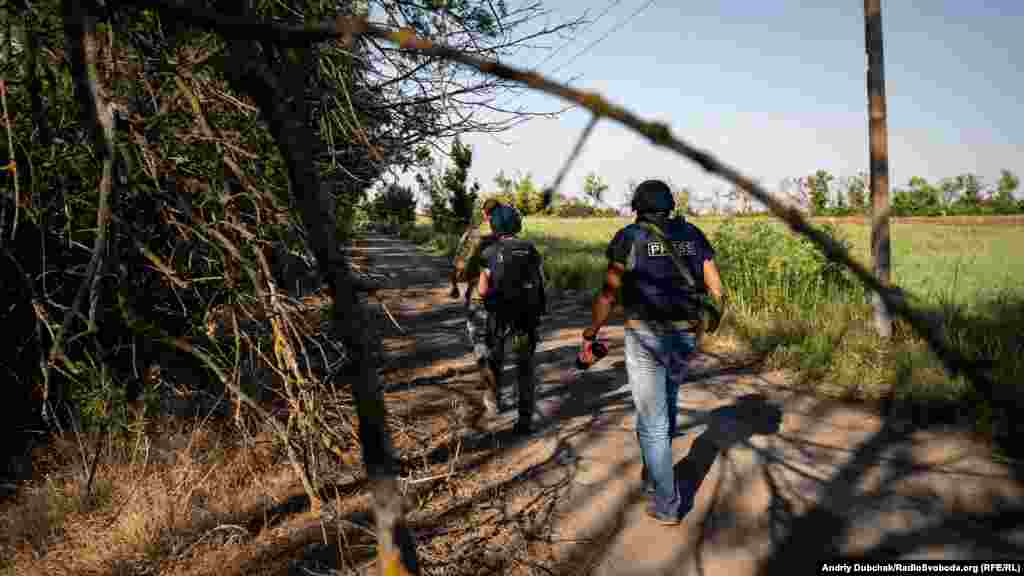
(536, 66)
(611, 31)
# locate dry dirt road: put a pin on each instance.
(778, 479)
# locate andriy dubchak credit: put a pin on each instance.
(942, 567)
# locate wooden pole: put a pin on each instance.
(880, 247)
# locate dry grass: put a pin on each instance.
(150, 504)
(192, 498)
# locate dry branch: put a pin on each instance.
(81, 39)
(12, 166)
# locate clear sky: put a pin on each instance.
(777, 88)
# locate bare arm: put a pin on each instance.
(713, 280)
(605, 301)
(460, 257)
(484, 283)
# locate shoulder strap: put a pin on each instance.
(671, 252)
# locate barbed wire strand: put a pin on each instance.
(611, 31)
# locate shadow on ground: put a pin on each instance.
(777, 479)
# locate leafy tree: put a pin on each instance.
(452, 202)
(506, 189)
(460, 198)
(924, 198)
(529, 199)
(818, 184)
(594, 188)
(395, 204)
(1007, 185)
(856, 192)
(971, 186)
(950, 189)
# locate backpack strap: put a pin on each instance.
(687, 276)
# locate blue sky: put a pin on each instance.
(777, 88)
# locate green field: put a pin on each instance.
(797, 311)
(963, 264)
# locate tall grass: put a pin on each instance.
(767, 269)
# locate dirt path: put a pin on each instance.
(775, 476)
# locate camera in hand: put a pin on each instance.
(598, 349)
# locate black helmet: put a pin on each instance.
(506, 220)
(652, 196)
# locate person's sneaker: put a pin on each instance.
(663, 519)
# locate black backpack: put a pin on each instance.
(518, 296)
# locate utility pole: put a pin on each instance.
(879, 142)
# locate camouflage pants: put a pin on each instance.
(489, 342)
(477, 320)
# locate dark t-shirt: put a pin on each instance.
(637, 248)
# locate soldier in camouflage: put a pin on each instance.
(467, 269)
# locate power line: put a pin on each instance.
(604, 12)
(564, 45)
(605, 36)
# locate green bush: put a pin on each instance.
(394, 205)
(765, 267)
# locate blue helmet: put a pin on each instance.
(653, 196)
(505, 220)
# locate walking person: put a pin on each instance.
(467, 269)
(467, 253)
(671, 292)
(511, 284)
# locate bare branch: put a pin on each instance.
(12, 166)
(82, 51)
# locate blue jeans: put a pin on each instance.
(656, 365)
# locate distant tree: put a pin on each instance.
(394, 204)
(506, 189)
(839, 192)
(856, 190)
(1004, 201)
(452, 202)
(924, 198)
(594, 188)
(818, 184)
(971, 186)
(682, 198)
(949, 190)
(461, 198)
(529, 198)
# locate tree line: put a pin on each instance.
(452, 202)
(822, 194)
